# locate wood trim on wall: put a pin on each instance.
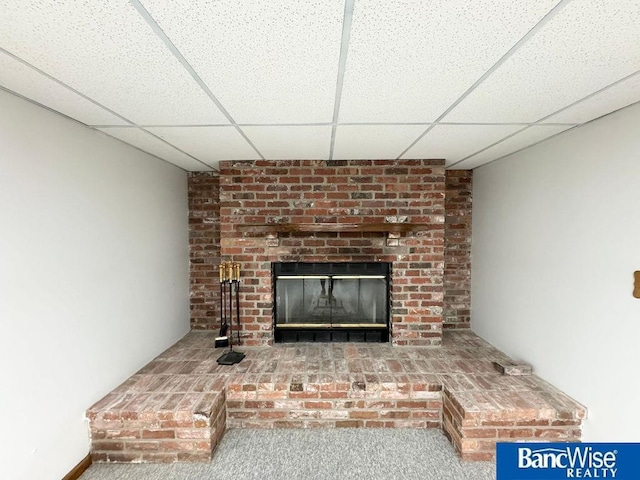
(79, 469)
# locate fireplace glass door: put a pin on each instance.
(331, 306)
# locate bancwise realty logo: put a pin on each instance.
(552, 461)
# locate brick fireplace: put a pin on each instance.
(263, 215)
(430, 265)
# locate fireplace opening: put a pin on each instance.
(331, 302)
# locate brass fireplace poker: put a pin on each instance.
(229, 277)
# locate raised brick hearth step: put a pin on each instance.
(334, 400)
(474, 420)
(178, 407)
(157, 427)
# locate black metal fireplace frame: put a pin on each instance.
(333, 332)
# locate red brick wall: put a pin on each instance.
(306, 191)
(457, 252)
(204, 249)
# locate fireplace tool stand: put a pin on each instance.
(222, 340)
(229, 277)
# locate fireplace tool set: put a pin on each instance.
(229, 287)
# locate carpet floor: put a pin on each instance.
(367, 454)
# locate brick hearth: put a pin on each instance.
(178, 407)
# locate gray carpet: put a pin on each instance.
(367, 454)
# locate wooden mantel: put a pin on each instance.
(393, 230)
(331, 227)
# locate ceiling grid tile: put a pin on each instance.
(527, 137)
(24, 80)
(375, 142)
(106, 50)
(149, 143)
(266, 61)
(409, 59)
(455, 142)
(291, 142)
(588, 45)
(208, 144)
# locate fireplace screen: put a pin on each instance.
(351, 297)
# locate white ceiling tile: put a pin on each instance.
(267, 61)
(209, 144)
(409, 60)
(375, 142)
(26, 81)
(274, 64)
(531, 135)
(455, 142)
(291, 142)
(588, 45)
(150, 144)
(614, 98)
(106, 50)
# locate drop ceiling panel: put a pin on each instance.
(614, 98)
(267, 61)
(208, 144)
(374, 142)
(531, 135)
(105, 50)
(26, 81)
(409, 60)
(588, 45)
(150, 144)
(291, 142)
(455, 142)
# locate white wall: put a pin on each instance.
(556, 239)
(93, 279)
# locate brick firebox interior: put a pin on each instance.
(431, 268)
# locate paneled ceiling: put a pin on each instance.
(194, 82)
